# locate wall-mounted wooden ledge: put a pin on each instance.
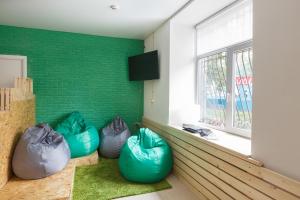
(218, 172)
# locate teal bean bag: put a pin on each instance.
(82, 137)
(145, 158)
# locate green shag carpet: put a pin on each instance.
(104, 181)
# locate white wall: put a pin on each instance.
(182, 74)
(276, 101)
(156, 92)
(174, 93)
(276, 109)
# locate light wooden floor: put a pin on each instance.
(179, 191)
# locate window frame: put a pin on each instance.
(230, 86)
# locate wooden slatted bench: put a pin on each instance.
(215, 172)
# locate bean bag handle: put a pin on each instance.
(49, 136)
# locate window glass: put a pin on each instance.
(243, 88)
(214, 89)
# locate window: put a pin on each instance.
(224, 65)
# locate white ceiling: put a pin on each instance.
(134, 19)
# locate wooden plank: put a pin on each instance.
(57, 186)
(23, 89)
(30, 86)
(190, 186)
(24, 84)
(277, 179)
(202, 180)
(243, 176)
(282, 181)
(232, 192)
(12, 94)
(7, 98)
(2, 99)
(268, 175)
(259, 184)
(192, 182)
(235, 183)
(17, 82)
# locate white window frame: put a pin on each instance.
(22, 59)
(22, 70)
(230, 87)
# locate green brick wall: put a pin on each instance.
(78, 72)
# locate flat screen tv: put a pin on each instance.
(144, 66)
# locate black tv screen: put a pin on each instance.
(144, 66)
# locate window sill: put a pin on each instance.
(229, 141)
(225, 142)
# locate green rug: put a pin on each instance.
(103, 181)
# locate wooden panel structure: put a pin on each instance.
(23, 90)
(17, 112)
(12, 124)
(25, 84)
(220, 173)
(56, 187)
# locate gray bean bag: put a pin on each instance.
(39, 153)
(113, 138)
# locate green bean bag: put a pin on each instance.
(83, 138)
(145, 158)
